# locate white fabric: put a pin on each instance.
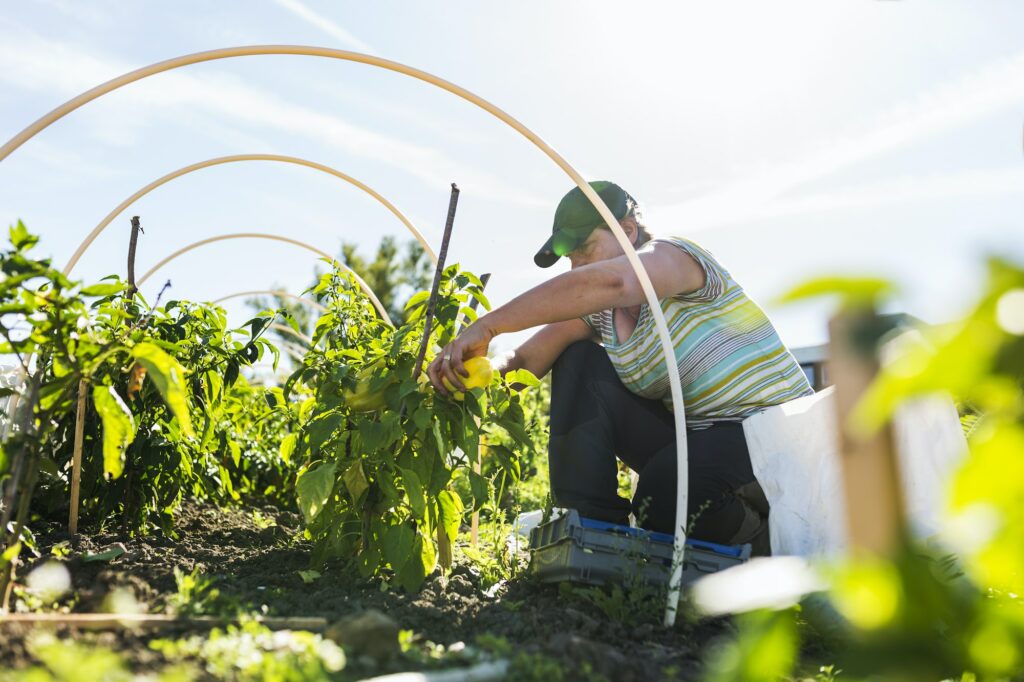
(794, 453)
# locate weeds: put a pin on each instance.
(195, 594)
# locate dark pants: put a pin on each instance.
(594, 419)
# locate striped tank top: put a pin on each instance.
(730, 359)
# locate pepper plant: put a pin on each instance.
(380, 448)
(183, 446)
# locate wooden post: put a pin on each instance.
(76, 461)
(133, 242)
(871, 480)
(474, 521)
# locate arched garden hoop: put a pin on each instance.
(667, 348)
(96, 231)
(272, 292)
(274, 237)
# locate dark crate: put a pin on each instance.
(580, 550)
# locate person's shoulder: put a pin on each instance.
(704, 257)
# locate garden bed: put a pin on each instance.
(232, 562)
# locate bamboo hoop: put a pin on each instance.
(273, 237)
(96, 231)
(288, 330)
(76, 460)
(272, 292)
(664, 337)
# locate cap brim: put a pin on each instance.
(546, 257)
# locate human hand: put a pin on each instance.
(472, 342)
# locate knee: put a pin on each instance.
(576, 356)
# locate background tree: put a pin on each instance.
(395, 273)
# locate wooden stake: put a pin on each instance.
(114, 621)
(871, 481)
(428, 319)
(132, 244)
(76, 461)
(474, 522)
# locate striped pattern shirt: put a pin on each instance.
(730, 360)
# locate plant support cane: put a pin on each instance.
(474, 522)
(444, 549)
(76, 462)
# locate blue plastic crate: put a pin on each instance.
(580, 550)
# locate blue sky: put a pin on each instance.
(792, 139)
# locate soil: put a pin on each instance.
(256, 569)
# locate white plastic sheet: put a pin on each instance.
(794, 453)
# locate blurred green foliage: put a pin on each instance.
(923, 614)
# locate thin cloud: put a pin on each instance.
(992, 89)
(326, 25)
(34, 63)
(907, 189)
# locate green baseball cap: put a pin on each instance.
(576, 218)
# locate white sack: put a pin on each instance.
(794, 453)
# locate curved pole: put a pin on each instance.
(272, 292)
(275, 237)
(292, 352)
(664, 337)
(235, 159)
(288, 330)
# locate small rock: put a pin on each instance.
(643, 631)
(369, 633)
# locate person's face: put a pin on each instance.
(600, 245)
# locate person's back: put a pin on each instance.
(730, 359)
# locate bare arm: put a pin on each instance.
(595, 287)
(541, 350)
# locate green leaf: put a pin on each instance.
(314, 489)
(422, 559)
(450, 506)
(414, 489)
(21, 238)
(308, 576)
(522, 376)
(288, 447)
(11, 553)
(169, 377)
(118, 428)
(480, 488)
(236, 452)
(355, 481)
(853, 292)
(106, 555)
(104, 289)
(396, 545)
(321, 429)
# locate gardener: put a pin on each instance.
(610, 400)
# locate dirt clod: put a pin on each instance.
(369, 633)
